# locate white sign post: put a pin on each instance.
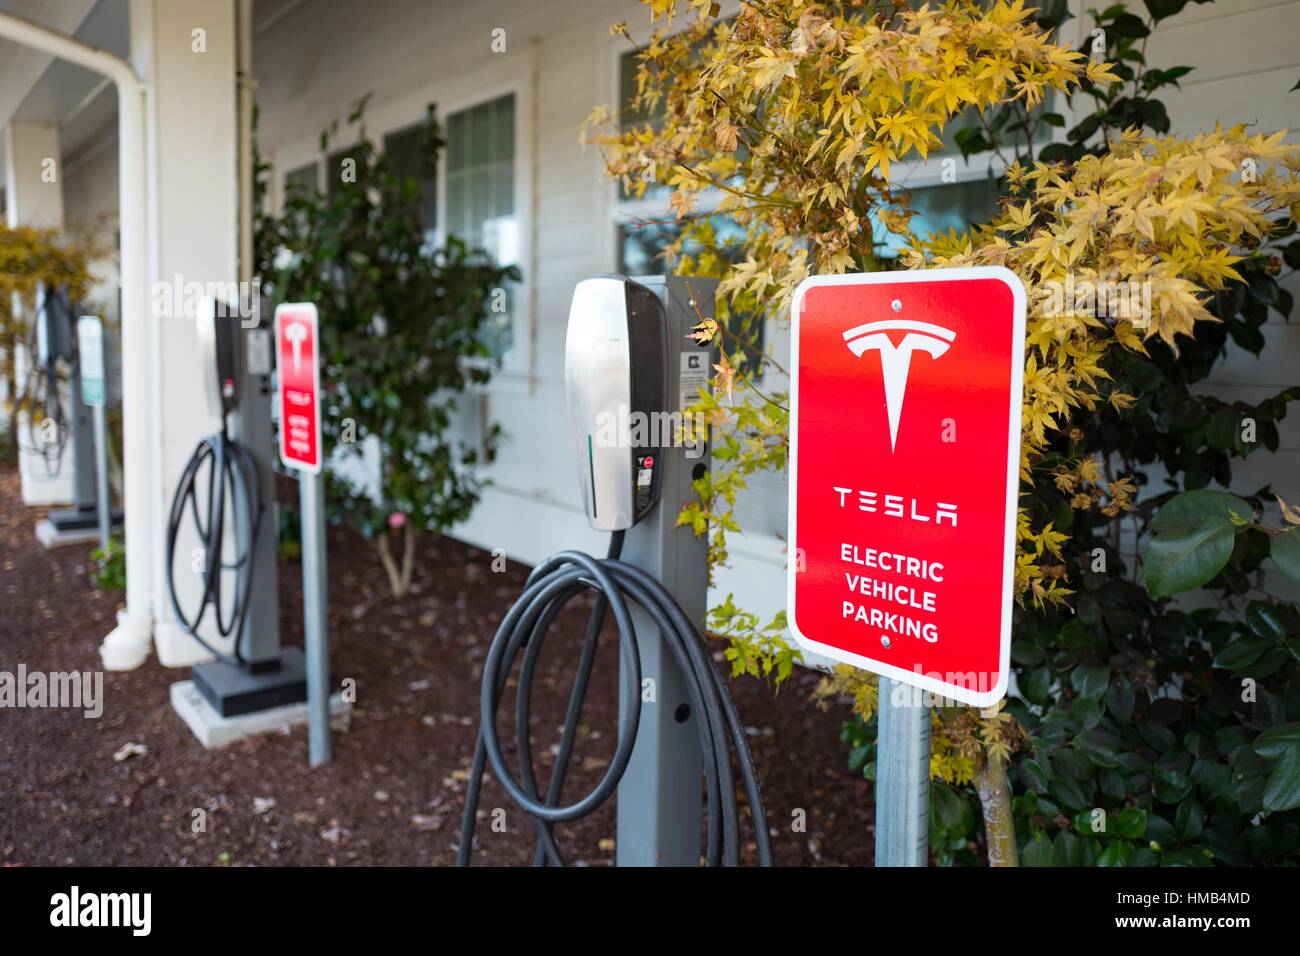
(94, 392)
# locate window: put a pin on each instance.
(304, 179)
(628, 117)
(402, 149)
(937, 209)
(481, 203)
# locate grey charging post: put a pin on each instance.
(630, 372)
(660, 795)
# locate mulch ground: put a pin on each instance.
(394, 793)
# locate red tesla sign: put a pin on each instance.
(904, 461)
(298, 359)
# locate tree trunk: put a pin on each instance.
(408, 557)
(399, 577)
(999, 824)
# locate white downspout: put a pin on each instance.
(244, 101)
(128, 644)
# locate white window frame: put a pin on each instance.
(515, 372)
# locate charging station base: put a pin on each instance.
(213, 731)
(63, 526)
(233, 691)
(79, 519)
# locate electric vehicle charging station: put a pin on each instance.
(57, 340)
(628, 354)
(658, 817)
(229, 481)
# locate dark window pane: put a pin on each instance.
(480, 196)
(304, 179)
(403, 151)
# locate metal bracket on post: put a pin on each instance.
(660, 797)
(902, 776)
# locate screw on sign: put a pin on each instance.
(904, 462)
(299, 364)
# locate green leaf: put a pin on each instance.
(1291, 252)
(1069, 849)
(1037, 852)
(1120, 699)
(1276, 741)
(1131, 822)
(1193, 537)
(1285, 552)
(1282, 792)
(1160, 9)
(1129, 25)
(1241, 653)
(1033, 775)
(1225, 425)
(1266, 621)
(1119, 853)
(1039, 684)
(1172, 786)
(1189, 820)
(1090, 681)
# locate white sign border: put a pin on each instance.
(310, 308)
(1014, 416)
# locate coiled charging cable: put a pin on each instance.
(549, 588)
(230, 467)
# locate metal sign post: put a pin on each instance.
(311, 497)
(660, 795)
(902, 776)
(90, 348)
(906, 393)
(298, 354)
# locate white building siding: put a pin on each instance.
(1246, 58)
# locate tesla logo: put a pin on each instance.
(895, 360)
(297, 334)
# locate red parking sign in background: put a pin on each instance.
(298, 360)
(904, 456)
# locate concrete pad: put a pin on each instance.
(215, 731)
(50, 538)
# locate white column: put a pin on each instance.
(187, 55)
(34, 181)
(34, 197)
(127, 645)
